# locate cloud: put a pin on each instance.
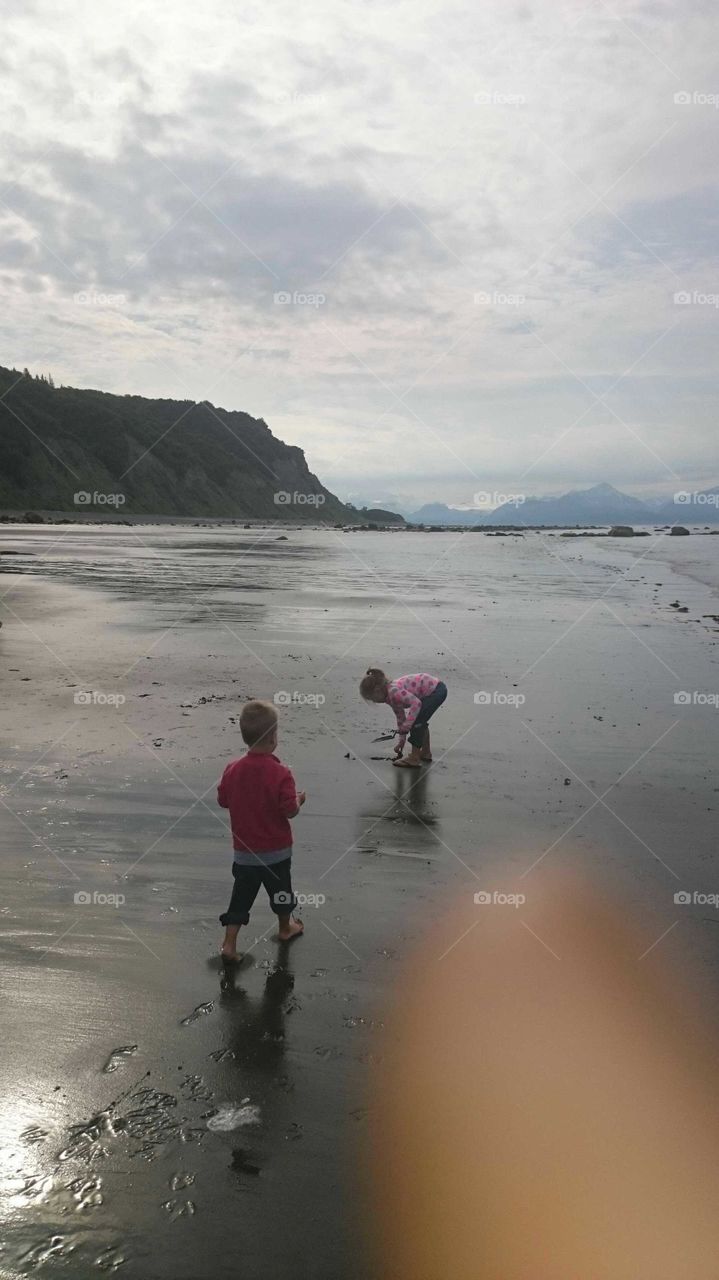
(400, 164)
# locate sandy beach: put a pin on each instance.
(581, 728)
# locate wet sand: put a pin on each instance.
(120, 1042)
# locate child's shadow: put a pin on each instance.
(254, 1058)
(257, 1024)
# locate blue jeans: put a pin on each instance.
(430, 704)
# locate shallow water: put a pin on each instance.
(123, 1036)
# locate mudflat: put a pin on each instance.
(158, 1113)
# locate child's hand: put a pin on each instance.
(301, 797)
(399, 750)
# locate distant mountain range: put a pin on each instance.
(602, 504)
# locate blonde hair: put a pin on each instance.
(258, 720)
(374, 680)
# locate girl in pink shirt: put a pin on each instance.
(413, 699)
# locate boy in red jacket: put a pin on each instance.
(260, 793)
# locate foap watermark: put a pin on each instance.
(293, 99)
(96, 698)
(284, 299)
(695, 298)
(86, 898)
(498, 899)
(282, 498)
(83, 498)
(109, 94)
(496, 499)
(685, 499)
(499, 98)
(696, 899)
(499, 299)
(696, 98)
(284, 899)
(91, 298)
(683, 698)
(287, 698)
(497, 698)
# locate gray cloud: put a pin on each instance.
(401, 165)
(141, 220)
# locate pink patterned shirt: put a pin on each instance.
(404, 696)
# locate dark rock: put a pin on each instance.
(621, 531)
(678, 531)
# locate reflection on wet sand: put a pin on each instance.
(253, 1034)
(256, 1030)
(400, 822)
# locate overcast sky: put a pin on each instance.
(481, 216)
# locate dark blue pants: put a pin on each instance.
(277, 880)
(428, 708)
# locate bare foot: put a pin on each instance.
(293, 930)
(409, 763)
(228, 956)
(425, 759)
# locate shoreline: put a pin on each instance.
(680, 559)
(280, 517)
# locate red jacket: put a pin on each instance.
(260, 793)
